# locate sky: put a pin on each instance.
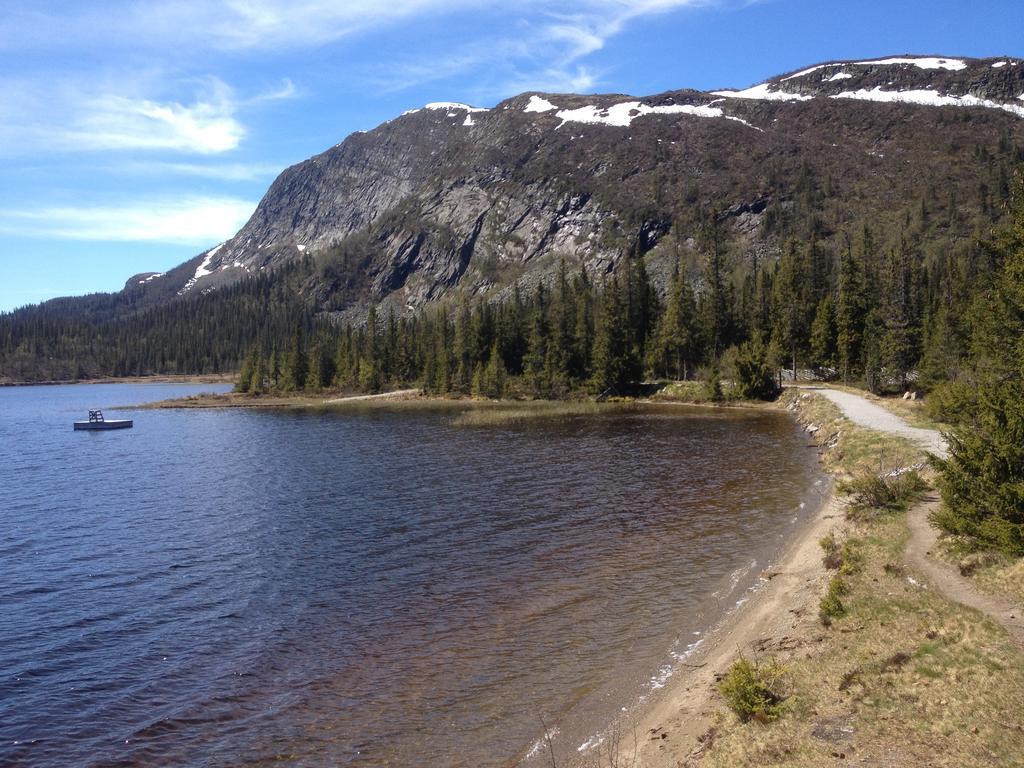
(134, 135)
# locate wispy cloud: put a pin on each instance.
(201, 170)
(74, 116)
(543, 45)
(190, 221)
(206, 126)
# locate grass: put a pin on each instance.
(991, 571)
(901, 676)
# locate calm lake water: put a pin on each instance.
(239, 587)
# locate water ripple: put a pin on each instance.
(241, 588)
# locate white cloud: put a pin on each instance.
(218, 171)
(118, 122)
(188, 221)
(113, 114)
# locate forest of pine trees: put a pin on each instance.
(882, 316)
(880, 309)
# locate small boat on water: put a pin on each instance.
(96, 421)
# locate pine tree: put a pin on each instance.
(463, 351)
(583, 336)
(790, 304)
(611, 364)
(257, 385)
(369, 364)
(245, 376)
(536, 363)
(675, 341)
(823, 335)
(297, 364)
(851, 312)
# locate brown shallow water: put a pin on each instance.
(366, 590)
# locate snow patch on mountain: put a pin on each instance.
(538, 104)
(924, 62)
(763, 92)
(453, 106)
(623, 114)
(928, 98)
(837, 76)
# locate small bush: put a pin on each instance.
(753, 691)
(845, 558)
(831, 606)
(852, 558)
(885, 491)
(833, 559)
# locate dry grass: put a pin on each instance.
(903, 676)
(992, 572)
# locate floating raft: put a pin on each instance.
(97, 422)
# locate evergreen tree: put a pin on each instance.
(851, 311)
(370, 378)
(245, 376)
(754, 373)
(611, 364)
(823, 335)
(297, 364)
(675, 343)
(257, 385)
(583, 336)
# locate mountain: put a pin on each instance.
(451, 195)
(453, 199)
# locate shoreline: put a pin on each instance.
(170, 378)
(675, 724)
(678, 724)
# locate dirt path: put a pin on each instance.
(944, 578)
(923, 536)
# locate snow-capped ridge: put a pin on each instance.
(921, 62)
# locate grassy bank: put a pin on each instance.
(884, 671)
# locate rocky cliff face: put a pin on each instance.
(451, 197)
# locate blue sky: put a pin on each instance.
(134, 135)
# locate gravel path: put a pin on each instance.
(382, 396)
(861, 411)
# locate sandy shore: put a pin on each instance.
(781, 615)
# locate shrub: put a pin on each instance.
(833, 559)
(753, 691)
(755, 376)
(831, 606)
(885, 491)
(852, 558)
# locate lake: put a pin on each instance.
(245, 587)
